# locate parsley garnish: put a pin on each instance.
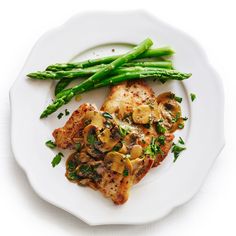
(50, 144)
(117, 147)
(125, 172)
(178, 99)
(153, 149)
(59, 116)
(73, 176)
(161, 139)
(193, 96)
(176, 118)
(71, 165)
(181, 141)
(67, 112)
(160, 129)
(57, 159)
(177, 148)
(78, 147)
(185, 118)
(91, 139)
(123, 131)
(85, 169)
(107, 115)
(180, 126)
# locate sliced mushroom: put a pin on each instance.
(90, 139)
(107, 139)
(118, 162)
(136, 152)
(170, 111)
(142, 114)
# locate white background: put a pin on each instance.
(212, 211)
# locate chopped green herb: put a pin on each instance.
(160, 129)
(123, 131)
(125, 172)
(57, 159)
(78, 147)
(107, 115)
(91, 139)
(193, 96)
(181, 141)
(161, 139)
(67, 112)
(180, 126)
(153, 149)
(177, 149)
(50, 144)
(73, 176)
(71, 166)
(85, 169)
(185, 118)
(176, 117)
(178, 99)
(59, 116)
(117, 147)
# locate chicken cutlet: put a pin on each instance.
(117, 145)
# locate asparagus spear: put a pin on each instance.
(142, 47)
(158, 74)
(57, 75)
(156, 52)
(64, 82)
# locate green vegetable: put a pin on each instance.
(50, 144)
(57, 159)
(64, 82)
(193, 96)
(153, 148)
(65, 97)
(78, 147)
(181, 141)
(85, 169)
(91, 139)
(161, 139)
(185, 118)
(67, 112)
(178, 99)
(123, 131)
(157, 74)
(157, 52)
(125, 172)
(80, 73)
(107, 115)
(71, 166)
(73, 176)
(180, 126)
(117, 147)
(177, 149)
(160, 129)
(59, 116)
(176, 118)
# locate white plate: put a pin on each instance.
(164, 188)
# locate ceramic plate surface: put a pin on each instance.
(94, 35)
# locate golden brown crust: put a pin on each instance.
(73, 128)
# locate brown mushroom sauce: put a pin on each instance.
(108, 145)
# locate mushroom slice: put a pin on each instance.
(142, 114)
(170, 111)
(90, 138)
(118, 162)
(107, 139)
